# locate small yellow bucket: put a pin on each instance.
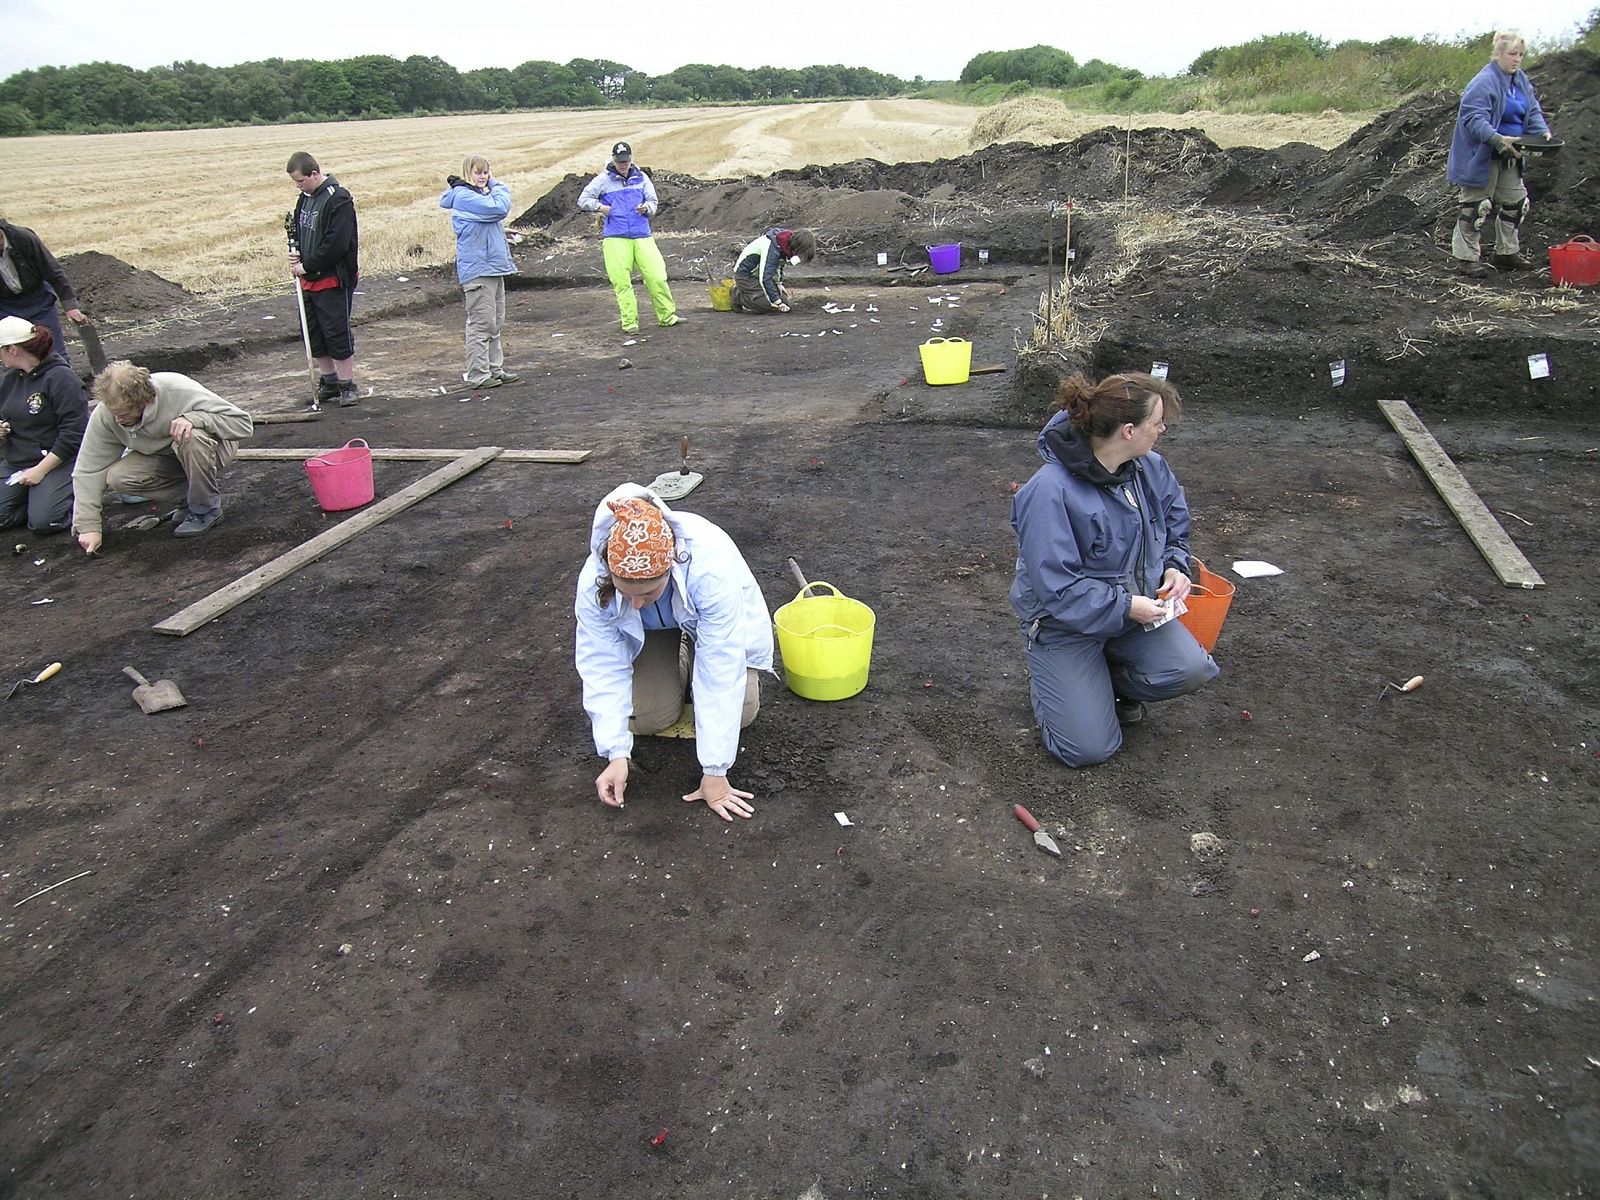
(826, 643)
(722, 295)
(946, 360)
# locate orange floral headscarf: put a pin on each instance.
(641, 543)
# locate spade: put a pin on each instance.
(154, 697)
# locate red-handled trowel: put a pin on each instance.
(1041, 839)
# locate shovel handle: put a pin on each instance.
(1026, 818)
(799, 577)
(135, 676)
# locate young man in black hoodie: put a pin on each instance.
(325, 269)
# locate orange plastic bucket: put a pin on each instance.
(342, 478)
(1576, 263)
(1208, 605)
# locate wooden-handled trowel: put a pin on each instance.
(154, 697)
(675, 485)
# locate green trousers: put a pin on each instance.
(624, 256)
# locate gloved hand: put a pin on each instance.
(456, 181)
(1504, 147)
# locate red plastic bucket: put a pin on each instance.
(1576, 263)
(945, 259)
(342, 478)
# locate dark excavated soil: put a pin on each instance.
(1383, 984)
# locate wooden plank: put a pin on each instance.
(401, 454)
(987, 371)
(1486, 533)
(284, 418)
(263, 577)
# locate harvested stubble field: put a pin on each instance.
(357, 925)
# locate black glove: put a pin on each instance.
(456, 181)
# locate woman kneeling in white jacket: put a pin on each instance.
(666, 601)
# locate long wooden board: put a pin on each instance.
(423, 455)
(213, 606)
(1487, 534)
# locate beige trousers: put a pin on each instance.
(187, 472)
(661, 675)
(486, 317)
(1505, 186)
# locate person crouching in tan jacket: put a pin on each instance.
(161, 437)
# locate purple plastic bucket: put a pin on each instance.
(945, 259)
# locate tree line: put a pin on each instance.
(102, 96)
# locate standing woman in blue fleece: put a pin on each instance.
(1485, 162)
(478, 203)
(624, 195)
(1102, 540)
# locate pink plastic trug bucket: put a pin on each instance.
(945, 259)
(342, 478)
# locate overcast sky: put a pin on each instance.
(933, 39)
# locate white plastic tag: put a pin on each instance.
(1158, 370)
(983, 256)
(1336, 372)
(883, 259)
(1538, 366)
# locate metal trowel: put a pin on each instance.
(675, 485)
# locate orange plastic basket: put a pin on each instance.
(1208, 605)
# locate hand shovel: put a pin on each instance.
(154, 697)
(1041, 839)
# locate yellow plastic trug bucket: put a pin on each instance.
(826, 643)
(722, 295)
(946, 360)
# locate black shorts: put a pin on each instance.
(328, 322)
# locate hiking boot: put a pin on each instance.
(1130, 712)
(674, 319)
(1470, 267)
(1511, 262)
(195, 523)
(488, 381)
(347, 395)
(507, 377)
(630, 329)
(327, 387)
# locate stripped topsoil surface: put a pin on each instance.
(1378, 980)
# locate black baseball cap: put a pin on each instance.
(622, 152)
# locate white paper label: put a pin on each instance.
(983, 256)
(1158, 369)
(883, 259)
(1336, 373)
(1538, 366)
(842, 819)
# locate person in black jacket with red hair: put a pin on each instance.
(326, 269)
(32, 281)
(758, 285)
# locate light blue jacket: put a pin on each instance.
(1482, 106)
(1089, 541)
(715, 599)
(481, 247)
(623, 196)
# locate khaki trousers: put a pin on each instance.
(187, 472)
(1504, 186)
(661, 677)
(486, 317)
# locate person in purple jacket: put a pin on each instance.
(1102, 546)
(625, 197)
(1485, 163)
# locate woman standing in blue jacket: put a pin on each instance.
(478, 204)
(1102, 543)
(1485, 162)
(624, 195)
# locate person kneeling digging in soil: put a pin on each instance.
(1102, 546)
(666, 600)
(163, 437)
(758, 278)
